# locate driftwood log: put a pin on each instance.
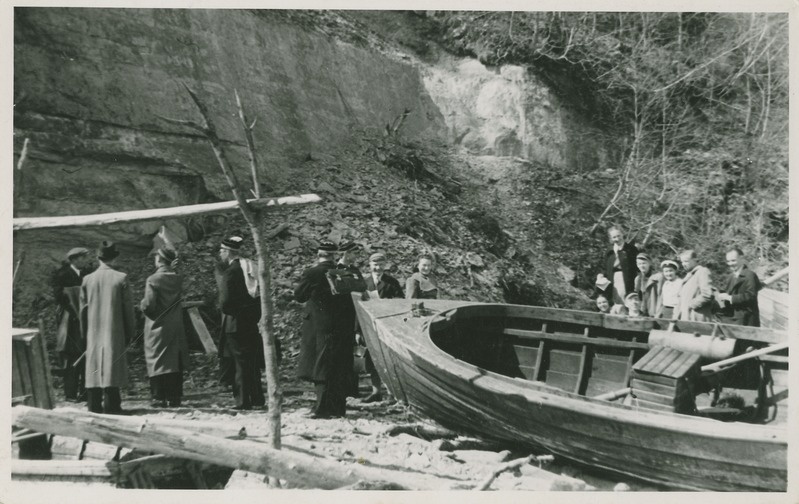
(155, 213)
(300, 468)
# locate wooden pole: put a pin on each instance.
(255, 222)
(68, 221)
(294, 465)
(717, 366)
(776, 276)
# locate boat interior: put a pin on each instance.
(646, 363)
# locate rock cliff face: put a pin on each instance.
(91, 84)
(507, 111)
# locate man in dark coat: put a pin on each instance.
(325, 348)
(384, 286)
(620, 266)
(346, 321)
(107, 320)
(165, 347)
(738, 296)
(240, 335)
(70, 344)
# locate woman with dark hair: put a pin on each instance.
(422, 284)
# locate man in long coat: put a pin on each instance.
(108, 321)
(165, 347)
(325, 350)
(70, 344)
(386, 287)
(241, 338)
(346, 321)
(696, 293)
(619, 266)
(739, 293)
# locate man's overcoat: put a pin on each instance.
(743, 309)
(108, 321)
(165, 347)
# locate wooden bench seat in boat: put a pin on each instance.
(664, 379)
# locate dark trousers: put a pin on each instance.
(331, 399)
(73, 377)
(167, 387)
(247, 390)
(104, 400)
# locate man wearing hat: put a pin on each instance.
(241, 338)
(109, 325)
(165, 347)
(386, 287)
(325, 351)
(70, 344)
(648, 284)
(346, 321)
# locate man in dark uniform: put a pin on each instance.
(325, 350)
(620, 267)
(70, 344)
(346, 320)
(386, 287)
(738, 299)
(240, 335)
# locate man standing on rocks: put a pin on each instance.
(165, 348)
(738, 300)
(240, 316)
(107, 317)
(325, 351)
(70, 344)
(620, 267)
(346, 321)
(386, 287)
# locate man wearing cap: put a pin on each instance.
(325, 353)
(241, 337)
(386, 287)
(165, 347)
(346, 320)
(696, 293)
(109, 325)
(70, 344)
(738, 299)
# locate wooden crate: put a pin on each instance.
(663, 379)
(30, 369)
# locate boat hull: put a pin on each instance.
(677, 451)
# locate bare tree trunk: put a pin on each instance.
(264, 275)
(767, 99)
(679, 30)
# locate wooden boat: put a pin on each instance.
(589, 388)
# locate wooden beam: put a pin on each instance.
(294, 465)
(776, 276)
(573, 338)
(202, 331)
(68, 221)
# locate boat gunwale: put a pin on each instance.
(532, 391)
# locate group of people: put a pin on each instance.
(97, 326)
(97, 322)
(631, 284)
(330, 328)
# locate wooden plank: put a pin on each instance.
(572, 338)
(641, 403)
(682, 366)
(527, 356)
(17, 385)
(609, 368)
(650, 386)
(41, 370)
(24, 369)
(644, 361)
(663, 380)
(667, 400)
(780, 377)
(565, 361)
(564, 381)
(583, 365)
(202, 331)
(597, 386)
(528, 372)
(540, 357)
(21, 223)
